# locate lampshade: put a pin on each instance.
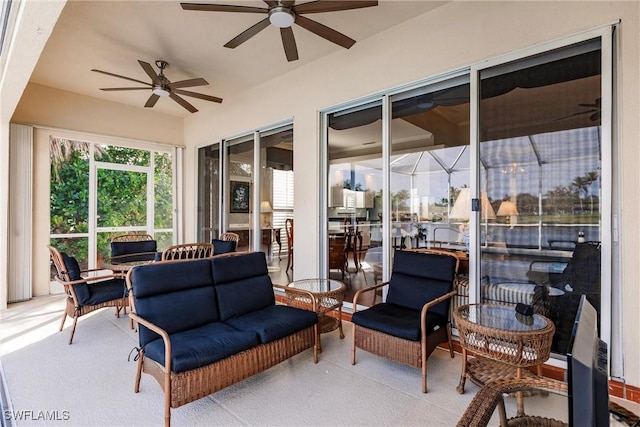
(507, 208)
(265, 206)
(462, 207)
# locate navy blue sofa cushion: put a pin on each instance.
(126, 248)
(176, 296)
(223, 246)
(242, 285)
(397, 321)
(274, 322)
(233, 268)
(198, 347)
(244, 296)
(418, 278)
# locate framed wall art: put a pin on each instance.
(240, 197)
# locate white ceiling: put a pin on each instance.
(113, 35)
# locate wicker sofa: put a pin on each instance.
(207, 324)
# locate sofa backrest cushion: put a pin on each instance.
(418, 278)
(176, 296)
(242, 284)
(223, 246)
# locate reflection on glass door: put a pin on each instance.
(354, 211)
(540, 151)
(276, 195)
(208, 193)
(239, 189)
(430, 166)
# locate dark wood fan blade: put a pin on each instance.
(247, 34)
(332, 6)
(121, 77)
(189, 83)
(595, 116)
(150, 72)
(222, 8)
(198, 95)
(287, 3)
(152, 100)
(289, 44)
(576, 114)
(124, 88)
(325, 32)
(183, 102)
(271, 3)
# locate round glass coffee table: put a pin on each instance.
(328, 295)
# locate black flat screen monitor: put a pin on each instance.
(587, 373)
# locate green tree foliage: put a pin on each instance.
(122, 195)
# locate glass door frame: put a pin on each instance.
(609, 218)
(607, 142)
(386, 99)
(223, 183)
(149, 170)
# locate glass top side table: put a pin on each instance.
(504, 341)
(328, 295)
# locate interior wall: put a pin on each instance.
(448, 38)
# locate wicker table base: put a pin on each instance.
(505, 345)
(328, 296)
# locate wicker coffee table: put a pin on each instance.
(328, 295)
(504, 342)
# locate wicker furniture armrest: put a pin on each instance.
(300, 292)
(484, 403)
(364, 290)
(158, 330)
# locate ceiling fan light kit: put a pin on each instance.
(283, 14)
(281, 17)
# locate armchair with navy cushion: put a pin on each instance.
(414, 319)
(86, 294)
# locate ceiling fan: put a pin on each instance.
(161, 86)
(595, 111)
(284, 14)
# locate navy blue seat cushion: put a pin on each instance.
(176, 296)
(274, 322)
(201, 346)
(126, 248)
(223, 246)
(418, 278)
(397, 321)
(103, 291)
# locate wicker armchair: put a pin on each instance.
(414, 320)
(86, 294)
(131, 237)
(230, 237)
(188, 251)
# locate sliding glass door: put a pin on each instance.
(540, 151)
